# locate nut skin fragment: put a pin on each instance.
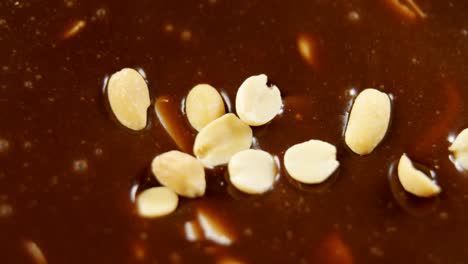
(311, 162)
(415, 181)
(203, 105)
(180, 172)
(256, 103)
(157, 202)
(459, 148)
(129, 98)
(252, 171)
(217, 142)
(368, 121)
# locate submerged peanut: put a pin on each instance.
(229, 260)
(368, 121)
(156, 202)
(129, 98)
(406, 8)
(306, 46)
(180, 172)
(311, 162)
(193, 231)
(334, 250)
(35, 252)
(415, 181)
(256, 102)
(169, 115)
(252, 171)
(73, 29)
(215, 228)
(203, 105)
(217, 142)
(459, 148)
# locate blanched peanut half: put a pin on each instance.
(415, 181)
(256, 103)
(368, 121)
(311, 162)
(129, 98)
(203, 105)
(156, 202)
(180, 172)
(217, 142)
(252, 171)
(459, 148)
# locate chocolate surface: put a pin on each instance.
(69, 171)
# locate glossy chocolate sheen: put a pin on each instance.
(69, 170)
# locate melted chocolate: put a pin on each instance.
(69, 171)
